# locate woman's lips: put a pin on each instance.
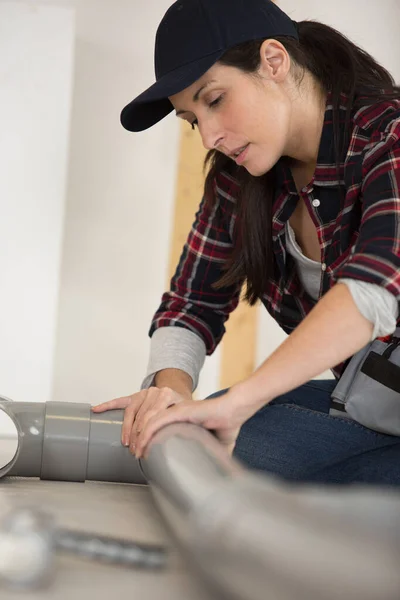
(242, 156)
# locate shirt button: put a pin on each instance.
(316, 203)
(323, 266)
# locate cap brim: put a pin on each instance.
(153, 104)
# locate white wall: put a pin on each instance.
(36, 62)
(372, 24)
(120, 203)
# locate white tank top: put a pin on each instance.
(309, 270)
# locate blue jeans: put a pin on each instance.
(295, 438)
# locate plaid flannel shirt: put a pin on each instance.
(358, 230)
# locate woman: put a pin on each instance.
(302, 205)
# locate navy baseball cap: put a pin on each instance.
(192, 36)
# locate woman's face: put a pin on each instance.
(244, 116)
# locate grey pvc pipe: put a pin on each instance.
(66, 441)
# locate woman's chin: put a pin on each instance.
(262, 166)
(256, 171)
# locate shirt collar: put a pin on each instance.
(326, 173)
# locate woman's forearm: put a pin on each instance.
(332, 332)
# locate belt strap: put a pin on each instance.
(338, 406)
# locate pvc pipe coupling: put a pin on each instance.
(66, 441)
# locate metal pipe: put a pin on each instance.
(254, 537)
(30, 539)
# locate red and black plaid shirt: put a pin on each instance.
(358, 230)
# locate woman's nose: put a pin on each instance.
(211, 137)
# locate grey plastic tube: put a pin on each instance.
(68, 442)
(253, 537)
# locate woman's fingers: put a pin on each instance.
(215, 415)
(139, 409)
(122, 402)
(185, 411)
(131, 405)
(130, 416)
(156, 401)
(145, 405)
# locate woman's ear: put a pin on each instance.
(274, 61)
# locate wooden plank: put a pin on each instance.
(189, 190)
(238, 355)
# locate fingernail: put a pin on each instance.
(132, 448)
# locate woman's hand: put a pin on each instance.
(139, 408)
(221, 415)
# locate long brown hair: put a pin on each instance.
(341, 67)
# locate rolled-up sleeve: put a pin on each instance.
(375, 257)
(176, 348)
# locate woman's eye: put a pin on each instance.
(216, 101)
(212, 104)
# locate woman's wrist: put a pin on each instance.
(177, 380)
(246, 398)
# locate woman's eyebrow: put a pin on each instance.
(196, 96)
